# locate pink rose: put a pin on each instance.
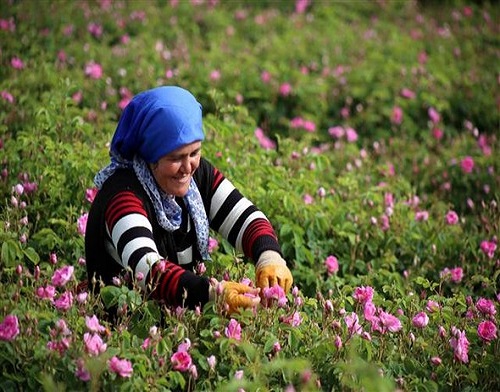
(420, 320)
(65, 301)
(81, 224)
(434, 115)
(93, 344)
(90, 194)
(93, 70)
(93, 324)
(397, 115)
(486, 307)
(332, 265)
(460, 346)
(62, 275)
(451, 218)
(389, 322)
(122, 367)
(233, 330)
(181, 361)
(363, 294)
(294, 319)
(9, 328)
(275, 295)
(488, 248)
(285, 89)
(467, 164)
(487, 331)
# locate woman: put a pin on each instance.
(157, 200)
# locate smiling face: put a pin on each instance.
(173, 172)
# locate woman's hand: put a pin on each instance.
(271, 269)
(235, 295)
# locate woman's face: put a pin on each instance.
(173, 172)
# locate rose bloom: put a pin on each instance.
(432, 306)
(460, 346)
(351, 135)
(389, 322)
(294, 319)
(233, 330)
(81, 223)
(486, 307)
(369, 311)
(363, 294)
(421, 216)
(122, 367)
(487, 330)
(433, 115)
(451, 218)
(238, 375)
(407, 93)
(181, 361)
(93, 344)
(90, 194)
(336, 132)
(65, 301)
(332, 265)
(436, 361)
(488, 248)
(285, 89)
(352, 322)
(93, 324)
(80, 371)
(93, 70)
(308, 199)
(397, 115)
(46, 292)
(467, 164)
(9, 328)
(264, 141)
(213, 244)
(275, 295)
(212, 361)
(62, 275)
(456, 274)
(420, 320)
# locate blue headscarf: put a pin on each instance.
(155, 123)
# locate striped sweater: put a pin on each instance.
(123, 234)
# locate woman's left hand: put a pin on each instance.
(271, 269)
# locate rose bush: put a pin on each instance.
(369, 130)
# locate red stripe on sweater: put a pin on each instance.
(218, 177)
(167, 282)
(256, 229)
(122, 204)
(174, 284)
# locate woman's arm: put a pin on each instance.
(238, 220)
(132, 245)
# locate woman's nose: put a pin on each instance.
(186, 165)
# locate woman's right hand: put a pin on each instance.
(235, 295)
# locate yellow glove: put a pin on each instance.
(271, 269)
(235, 295)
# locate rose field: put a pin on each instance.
(366, 131)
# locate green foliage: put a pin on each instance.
(348, 65)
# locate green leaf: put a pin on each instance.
(48, 238)
(110, 296)
(268, 345)
(32, 255)
(249, 350)
(11, 253)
